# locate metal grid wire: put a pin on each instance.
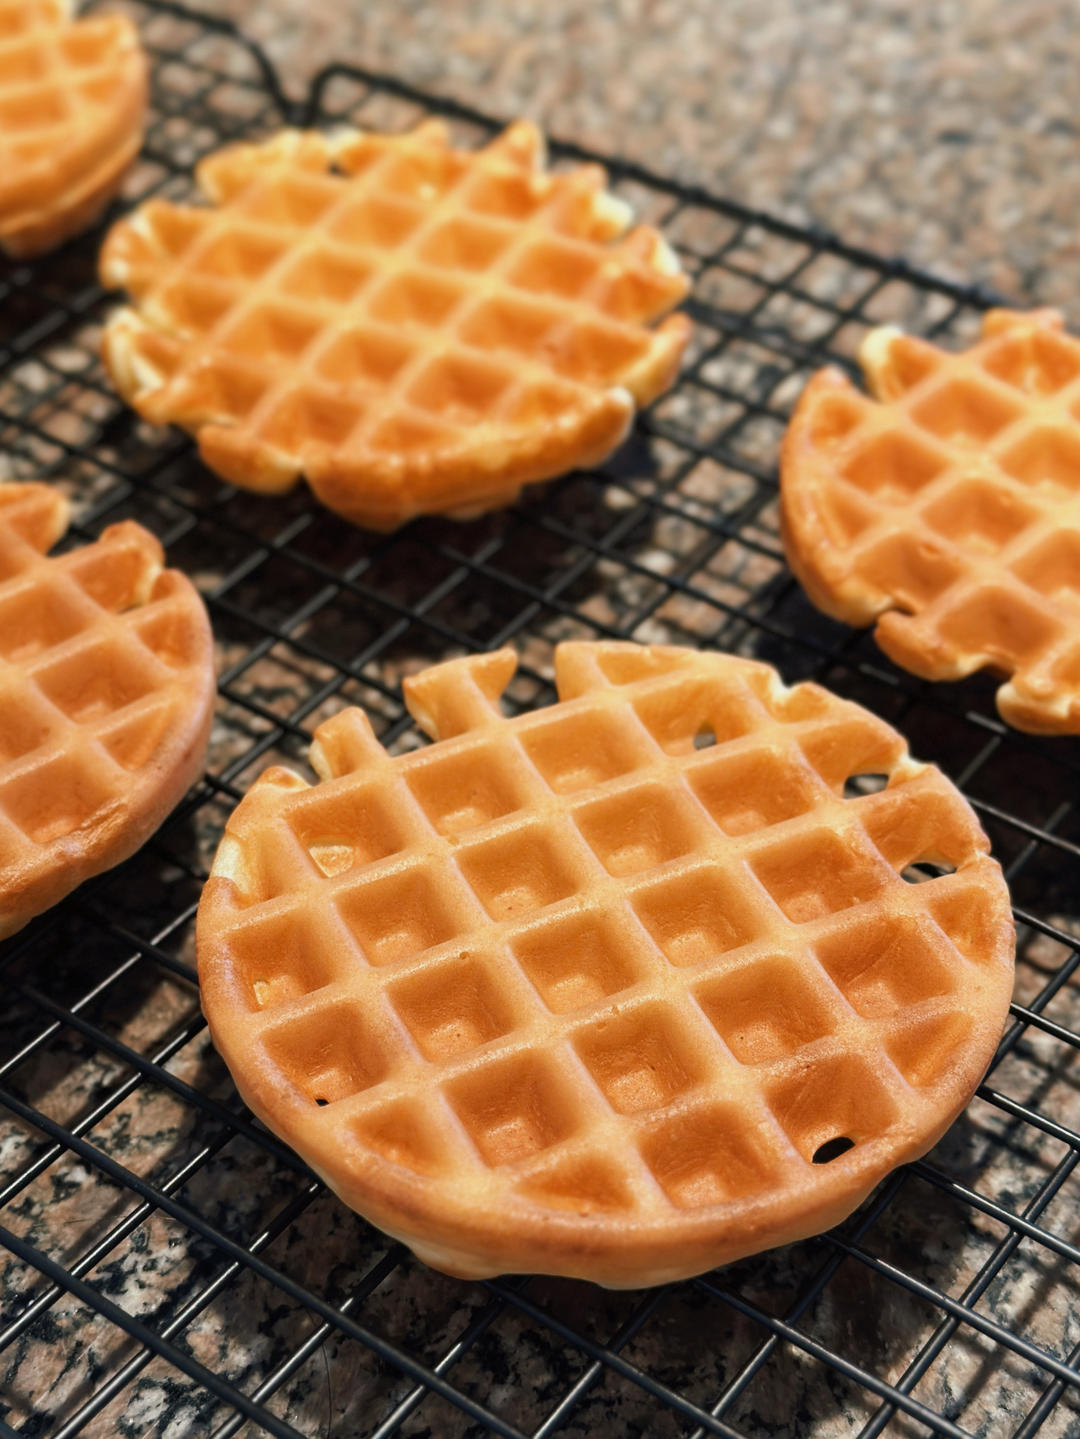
(169, 1268)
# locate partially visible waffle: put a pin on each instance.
(624, 988)
(106, 695)
(413, 327)
(947, 508)
(72, 108)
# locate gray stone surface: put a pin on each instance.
(943, 131)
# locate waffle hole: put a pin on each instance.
(832, 1149)
(705, 738)
(273, 332)
(323, 275)
(921, 871)
(834, 1097)
(857, 785)
(679, 712)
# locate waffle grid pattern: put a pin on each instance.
(71, 100)
(414, 327)
(956, 497)
(481, 848)
(100, 667)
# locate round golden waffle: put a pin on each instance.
(106, 695)
(414, 328)
(579, 992)
(72, 108)
(948, 508)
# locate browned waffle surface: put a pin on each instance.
(590, 990)
(412, 327)
(106, 694)
(72, 106)
(948, 508)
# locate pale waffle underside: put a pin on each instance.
(948, 508)
(106, 694)
(412, 327)
(72, 106)
(573, 993)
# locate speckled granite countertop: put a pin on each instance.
(946, 132)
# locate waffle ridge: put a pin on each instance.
(564, 992)
(947, 508)
(412, 327)
(72, 101)
(106, 695)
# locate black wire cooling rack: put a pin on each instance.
(170, 1269)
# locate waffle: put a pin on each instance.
(106, 693)
(948, 508)
(603, 990)
(72, 108)
(414, 328)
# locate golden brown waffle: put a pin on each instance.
(948, 508)
(413, 327)
(570, 993)
(72, 108)
(106, 694)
